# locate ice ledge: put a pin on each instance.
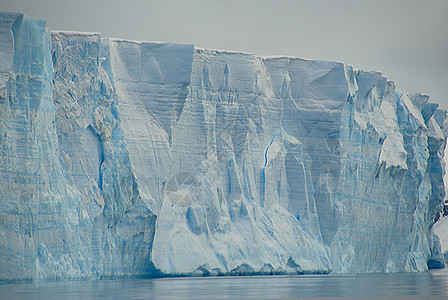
(138, 42)
(68, 33)
(282, 57)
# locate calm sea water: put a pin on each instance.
(403, 285)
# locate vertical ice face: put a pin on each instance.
(40, 211)
(137, 158)
(313, 95)
(385, 190)
(151, 81)
(6, 48)
(76, 94)
(226, 203)
(96, 158)
(372, 154)
(70, 204)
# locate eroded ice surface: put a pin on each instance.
(138, 158)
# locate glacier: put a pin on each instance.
(127, 158)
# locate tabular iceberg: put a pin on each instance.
(123, 158)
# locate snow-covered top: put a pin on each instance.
(280, 57)
(221, 51)
(74, 33)
(139, 42)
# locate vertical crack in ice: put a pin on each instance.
(267, 150)
(263, 172)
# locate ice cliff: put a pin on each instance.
(123, 158)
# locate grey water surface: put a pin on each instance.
(399, 285)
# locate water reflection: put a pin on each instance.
(259, 287)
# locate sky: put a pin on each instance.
(405, 39)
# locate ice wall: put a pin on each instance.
(70, 205)
(42, 217)
(124, 158)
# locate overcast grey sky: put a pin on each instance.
(405, 39)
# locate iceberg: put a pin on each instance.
(127, 158)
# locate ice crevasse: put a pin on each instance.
(125, 158)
